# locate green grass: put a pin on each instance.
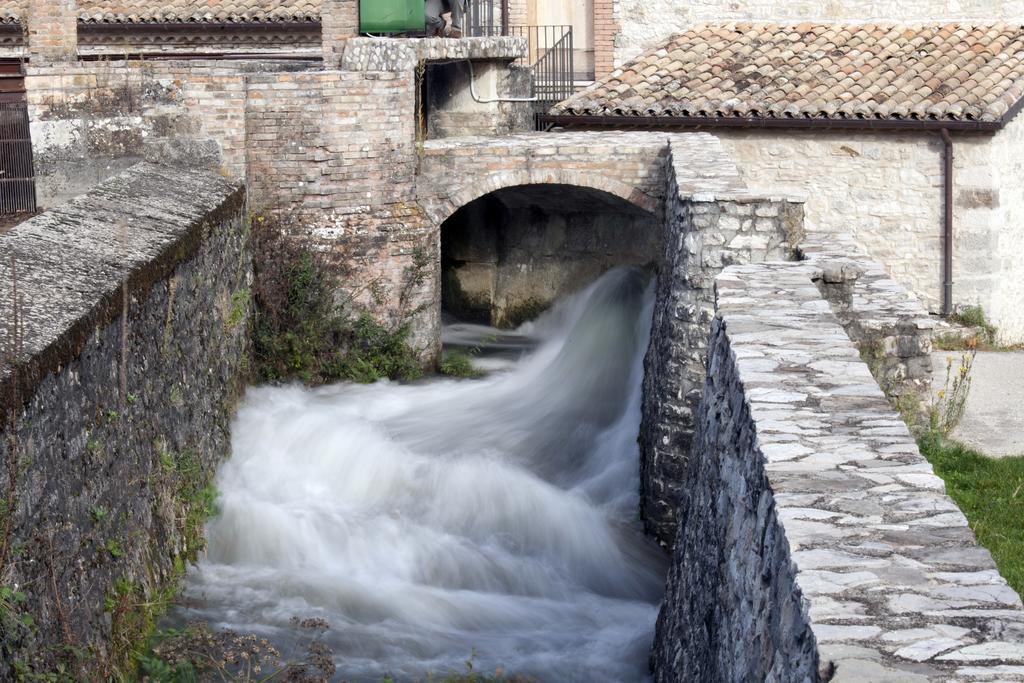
(990, 492)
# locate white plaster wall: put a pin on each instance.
(645, 23)
(886, 190)
(1007, 305)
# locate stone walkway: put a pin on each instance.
(993, 422)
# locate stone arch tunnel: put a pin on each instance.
(509, 254)
(593, 199)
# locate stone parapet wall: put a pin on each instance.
(705, 232)
(135, 306)
(815, 543)
(891, 328)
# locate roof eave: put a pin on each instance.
(660, 122)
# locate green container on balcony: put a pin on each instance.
(391, 16)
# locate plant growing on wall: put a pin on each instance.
(303, 332)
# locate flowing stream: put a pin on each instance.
(430, 521)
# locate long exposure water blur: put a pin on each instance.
(430, 521)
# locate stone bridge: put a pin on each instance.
(631, 166)
(576, 174)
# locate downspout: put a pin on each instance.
(947, 228)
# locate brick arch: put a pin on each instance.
(448, 204)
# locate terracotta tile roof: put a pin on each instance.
(191, 11)
(937, 73)
(177, 11)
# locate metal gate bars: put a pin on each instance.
(17, 177)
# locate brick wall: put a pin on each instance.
(91, 120)
(606, 28)
(339, 21)
(52, 30)
(335, 153)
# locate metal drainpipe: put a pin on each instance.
(947, 228)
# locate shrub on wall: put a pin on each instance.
(303, 333)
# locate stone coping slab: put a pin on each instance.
(399, 54)
(74, 263)
(896, 585)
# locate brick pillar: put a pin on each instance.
(605, 30)
(52, 30)
(339, 21)
(517, 13)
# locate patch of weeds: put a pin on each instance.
(980, 335)
(113, 547)
(459, 364)
(974, 316)
(200, 653)
(303, 333)
(990, 492)
(167, 463)
(112, 416)
(133, 614)
(240, 301)
(196, 497)
(948, 404)
(22, 656)
(471, 675)
(131, 399)
(98, 514)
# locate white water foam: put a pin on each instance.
(430, 521)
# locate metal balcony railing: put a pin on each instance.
(550, 56)
(486, 18)
(549, 52)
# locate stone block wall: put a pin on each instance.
(704, 233)
(886, 190)
(135, 307)
(1006, 255)
(814, 541)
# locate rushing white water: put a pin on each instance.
(429, 521)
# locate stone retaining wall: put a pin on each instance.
(814, 541)
(135, 306)
(706, 229)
